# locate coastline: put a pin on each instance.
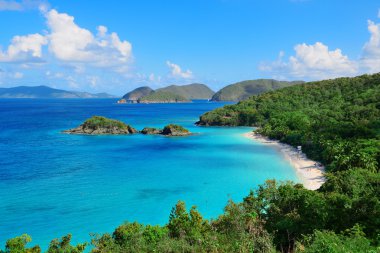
(308, 171)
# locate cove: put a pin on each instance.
(52, 184)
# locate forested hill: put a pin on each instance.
(190, 91)
(340, 116)
(243, 90)
(138, 93)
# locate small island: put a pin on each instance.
(169, 130)
(98, 125)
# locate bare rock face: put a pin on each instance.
(98, 125)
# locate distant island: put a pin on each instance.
(245, 89)
(170, 94)
(46, 92)
(134, 95)
(190, 91)
(185, 93)
(99, 125)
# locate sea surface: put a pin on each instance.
(52, 184)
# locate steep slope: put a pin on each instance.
(243, 90)
(46, 92)
(138, 93)
(190, 91)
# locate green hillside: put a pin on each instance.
(328, 118)
(190, 91)
(138, 93)
(162, 97)
(243, 90)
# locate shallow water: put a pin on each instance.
(52, 184)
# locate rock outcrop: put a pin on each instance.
(151, 130)
(175, 130)
(169, 130)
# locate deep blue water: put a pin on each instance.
(52, 184)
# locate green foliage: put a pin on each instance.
(63, 246)
(189, 226)
(329, 242)
(162, 97)
(289, 211)
(174, 128)
(18, 244)
(353, 198)
(335, 121)
(97, 122)
(243, 90)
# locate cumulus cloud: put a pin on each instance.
(318, 62)
(69, 42)
(176, 71)
(370, 60)
(24, 49)
(312, 61)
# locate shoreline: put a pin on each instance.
(308, 171)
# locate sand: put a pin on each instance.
(310, 173)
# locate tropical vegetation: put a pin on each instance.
(337, 122)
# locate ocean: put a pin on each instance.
(52, 184)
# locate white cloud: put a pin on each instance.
(176, 71)
(312, 61)
(67, 41)
(370, 61)
(70, 43)
(24, 49)
(10, 5)
(317, 62)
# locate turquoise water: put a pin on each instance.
(52, 184)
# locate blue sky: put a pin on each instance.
(115, 46)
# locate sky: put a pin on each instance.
(116, 45)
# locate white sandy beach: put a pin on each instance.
(311, 175)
